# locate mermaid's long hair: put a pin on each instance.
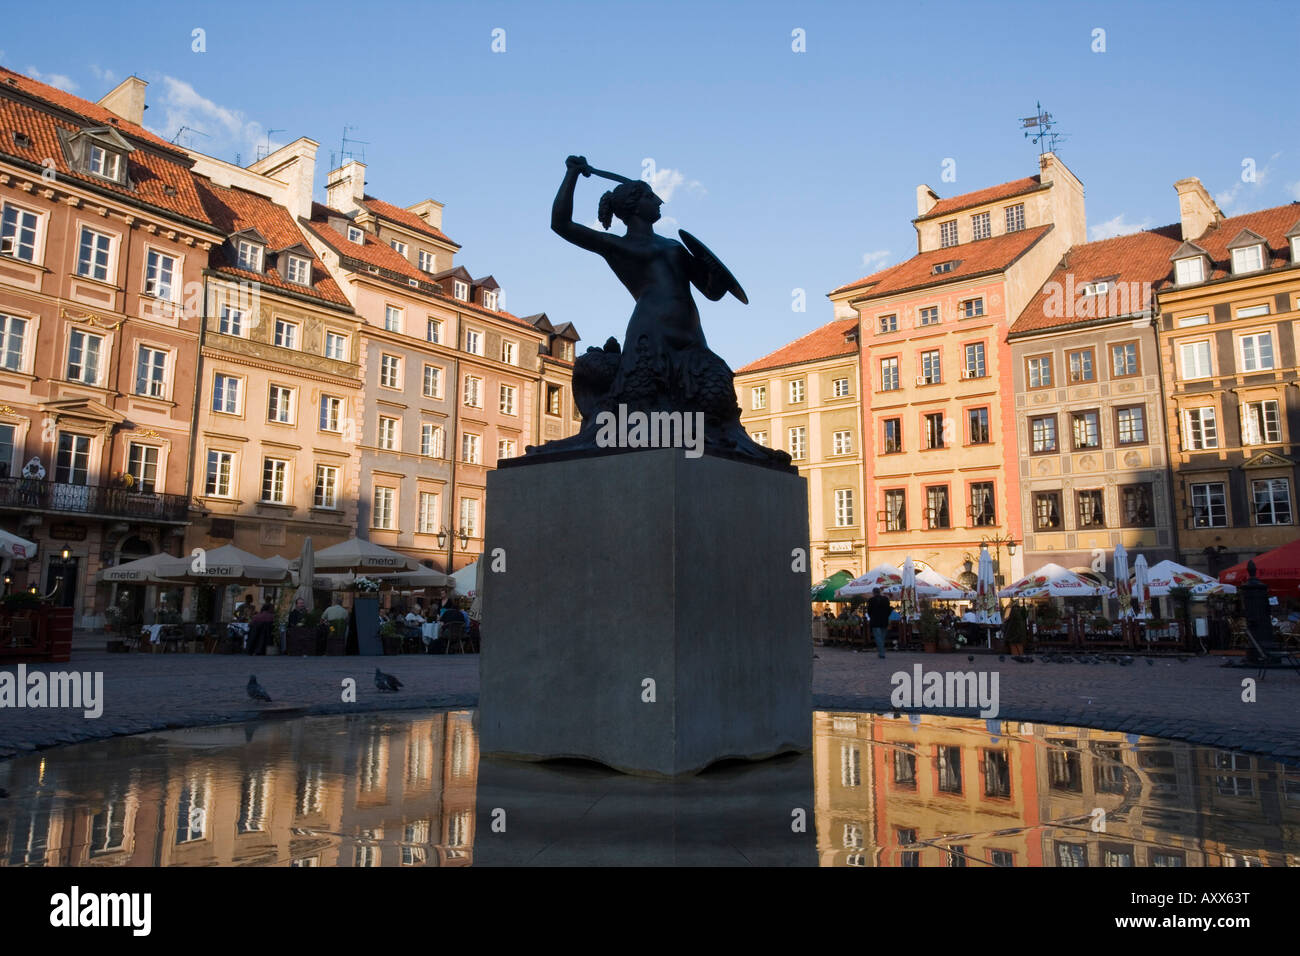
(622, 201)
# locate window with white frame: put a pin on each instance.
(160, 276)
(796, 391)
(460, 290)
(331, 413)
(470, 448)
(398, 246)
(388, 433)
(1261, 423)
(85, 357)
(843, 507)
(433, 331)
(72, 459)
(250, 256)
(510, 353)
(490, 301)
(928, 315)
(473, 342)
(1200, 428)
(390, 371)
(505, 448)
(889, 374)
(142, 465)
(13, 343)
(469, 516)
(889, 323)
(432, 381)
(1209, 505)
(151, 372)
(842, 443)
(286, 334)
(473, 391)
(275, 480)
(221, 465)
(392, 319)
(19, 233)
(760, 438)
(1248, 259)
(105, 163)
(336, 346)
(948, 233)
(1251, 311)
(1272, 498)
(931, 373)
(426, 260)
(431, 440)
(972, 308)
(94, 254)
(980, 227)
(1194, 360)
(356, 235)
(298, 270)
(840, 388)
(554, 399)
(975, 360)
(798, 441)
(225, 394)
(231, 321)
(279, 405)
(326, 492)
(384, 511)
(1015, 216)
(566, 351)
(1191, 269)
(1257, 352)
(758, 397)
(429, 513)
(507, 403)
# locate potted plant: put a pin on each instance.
(1048, 617)
(928, 625)
(391, 638)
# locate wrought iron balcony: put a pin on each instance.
(33, 494)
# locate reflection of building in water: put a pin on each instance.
(398, 793)
(927, 791)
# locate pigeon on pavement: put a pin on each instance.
(386, 682)
(256, 691)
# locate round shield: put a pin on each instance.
(721, 280)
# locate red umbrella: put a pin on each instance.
(1279, 569)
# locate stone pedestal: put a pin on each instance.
(650, 615)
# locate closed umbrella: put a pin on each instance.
(908, 592)
(987, 611)
(306, 571)
(1141, 587)
(1123, 588)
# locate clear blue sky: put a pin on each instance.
(798, 169)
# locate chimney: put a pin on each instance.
(345, 187)
(430, 210)
(127, 100)
(295, 166)
(1196, 208)
(925, 200)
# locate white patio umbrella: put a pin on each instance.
(12, 546)
(361, 556)
(986, 598)
(883, 576)
(1164, 575)
(227, 564)
(1052, 580)
(1123, 587)
(1141, 587)
(465, 581)
(930, 583)
(907, 593)
(306, 572)
(141, 571)
(422, 578)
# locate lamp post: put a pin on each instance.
(446, 538)
(997, 541)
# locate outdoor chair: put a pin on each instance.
(1280, 657)
(454, 636)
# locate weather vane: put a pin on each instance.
(1039, 128)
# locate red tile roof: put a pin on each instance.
(152, 168)
(973, 258)
(372, 252)
(1016, 187)
(234, 210)
(1272, 224)
(404, 217)
(823, 343)
(1135, 264)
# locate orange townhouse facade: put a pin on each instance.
(939, 429)
(104, 243)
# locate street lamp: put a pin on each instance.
(997, 541)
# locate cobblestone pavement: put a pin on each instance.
(1197, 700)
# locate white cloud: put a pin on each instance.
(875, 260)
(1117, 226)
(103, 75)
(1242, 196)
(59, 80)
(665, 182)
(226, 131)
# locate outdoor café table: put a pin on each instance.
(429, 632)
(239, 631)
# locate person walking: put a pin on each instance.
(878, 611)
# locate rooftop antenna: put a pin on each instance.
(187, 129)
(265, 151)
(345, 153)
(1039, 129)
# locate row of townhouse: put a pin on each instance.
(194, 353)
(1050, 397)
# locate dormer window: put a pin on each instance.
(1247, 259)
(1096, 288)
(566, 351)
(460, 290)
(298, 270)
(356, 235)
(943, 267)
(490, 301)
(250, 256)
(105, 162)
(398, 247)
(948, 233)
(1295, 250)
(1187, 271)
